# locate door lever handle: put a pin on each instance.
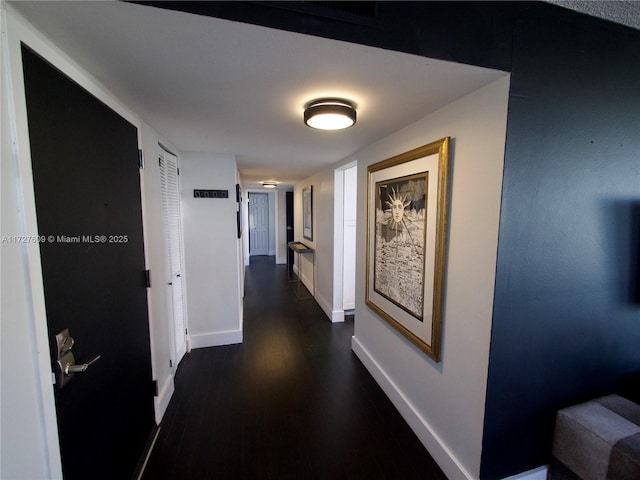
(70, 368)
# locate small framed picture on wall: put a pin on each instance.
(307, 212)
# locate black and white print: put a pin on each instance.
(400, 233)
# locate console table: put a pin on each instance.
(298, 249)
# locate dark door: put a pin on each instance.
(87, 192)
(289, 206)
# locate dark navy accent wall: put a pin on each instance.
(566, 323)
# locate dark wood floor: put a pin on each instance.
(291, 402)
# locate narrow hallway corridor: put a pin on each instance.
(292, 402)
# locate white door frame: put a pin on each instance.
(337, 313)
(180, 344)
(266, 196)
(15, 31)
(275, 228)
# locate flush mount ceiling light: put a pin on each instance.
(330, 114)
(269, 184)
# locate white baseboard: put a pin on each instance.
(324, 304)
(443, 456)
(308, 283)
(336, 316)
(540, 473)
(215, 339)
(161, 402)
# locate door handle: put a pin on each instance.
(70, 368)
(67, 366)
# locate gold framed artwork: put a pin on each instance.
(407, 203)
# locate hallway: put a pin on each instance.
(291, 402)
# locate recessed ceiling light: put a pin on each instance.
(330, 114)
(269, 184)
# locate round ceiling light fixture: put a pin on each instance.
(269, 184)
(330, 114)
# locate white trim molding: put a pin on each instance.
(324, 304)
(161, 402)
(337, 316)
(215, 339)
(443, 456)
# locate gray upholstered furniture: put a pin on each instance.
(600, 439)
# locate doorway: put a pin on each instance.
(88, 207)
(170, 192)
(258, 224)
(349, 233)
(344, 246)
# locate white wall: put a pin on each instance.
(320, 275)
(272, 222)
(281, 226)
(444, 402)
(240, 246)
(211, 249)
(245, 227)
(23, 447)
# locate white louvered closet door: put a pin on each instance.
(172, 227)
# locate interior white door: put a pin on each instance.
(173, 241)
(258, 224)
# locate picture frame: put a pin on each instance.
(407, 209)
(307, 212)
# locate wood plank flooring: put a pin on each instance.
(291, 402)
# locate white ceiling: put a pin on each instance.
(213, 85)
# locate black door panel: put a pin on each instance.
(289, 213)
(88, 205)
